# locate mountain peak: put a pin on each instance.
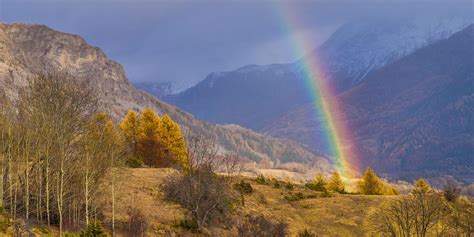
(361, 47)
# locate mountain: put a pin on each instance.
(254, 96)
(412, 117)
(250, 96)
(26, 50)
(158, 89)
(358, 48)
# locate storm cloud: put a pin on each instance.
(182, 40)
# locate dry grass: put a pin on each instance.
(339, 215)
(140, 188)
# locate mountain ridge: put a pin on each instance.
(410, 117)
(254, 96)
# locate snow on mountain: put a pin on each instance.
(359, 48)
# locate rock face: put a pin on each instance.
(254, 96)
(26, 50)
(412, 117)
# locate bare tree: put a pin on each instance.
(200, 190)
(413, 215)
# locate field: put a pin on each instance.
(337, 215)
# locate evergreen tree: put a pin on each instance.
(94, 229)
(335, 183)
(371, 184)
(320, 183)
(422, 187)
(130, 129)
(150, 145)
(174, 142)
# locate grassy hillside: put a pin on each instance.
(341, 214)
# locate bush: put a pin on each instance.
(306, 233)
(243, 187)
(261, 179)
(291, 197)
(134, 162)
(318, 184)
(205, 194)
(262, 227)
(451, 190)
(289, 186)
(94, 229)
(311, 186)
(188, 225)
(137, 222)
(276, 183)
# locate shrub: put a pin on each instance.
(134, 162)
(291, 197)
(276, 183)
(289, 186)
(262, 227)
(205, 194)
(261, 179)
(318, 184)
(137, 222)
(451, 190)
(94, 229)
(311, 186)
(188, 225)
(306, 233)
(243, 187)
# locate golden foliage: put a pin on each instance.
(335, 183)
(158, 142)
(371, 184)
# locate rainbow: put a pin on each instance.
(336, 134)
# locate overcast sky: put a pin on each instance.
(184, 40)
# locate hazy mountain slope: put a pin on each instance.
(415, 115)
(28, 49)
(358, 48)
(157, 89)
(250, 96)
(254, 96)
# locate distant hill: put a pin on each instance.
(157, 89)
(28, 49)
(410, 118)
(254, 96)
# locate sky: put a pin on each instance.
(182, 41)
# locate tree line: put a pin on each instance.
(370, 184)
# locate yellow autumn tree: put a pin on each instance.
(422, 187)
(174, 142)
(102, 145)
(335, 183)
(150, 146)
(320, 182)
(130, 129)
(371, 184)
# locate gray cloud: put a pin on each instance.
(183, 41)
